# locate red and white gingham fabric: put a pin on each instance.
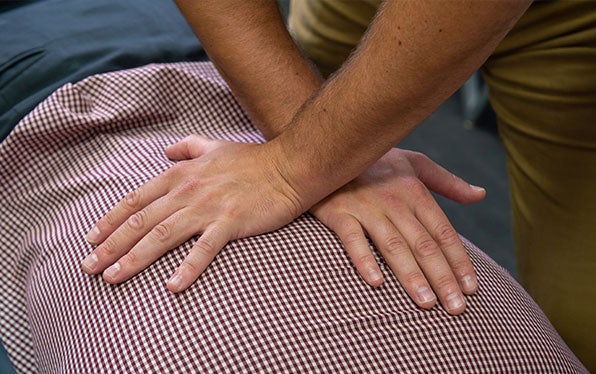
(288, 301)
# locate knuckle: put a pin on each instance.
(109, 248)
(446, 283)
(389, 198)
(161, 233)
(418, 187)
(175, 171)
(462, 266)
(446, 234)
(336, 205)
(171, 174)
(132, 258)
(109, 219)
(414, 278)
(352, 238)
(338, 218)
(395, 245)
(138, 220)
(326, 214)
(191, 266)
(206, 248)
(189, 186)
(364, 260)
(415, 186)
(426, 247)
(133, 199)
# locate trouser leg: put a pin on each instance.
(542, 81)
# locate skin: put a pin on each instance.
(414, 56)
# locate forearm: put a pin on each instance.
(250, 46)
(415, 55)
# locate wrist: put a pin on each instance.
(289, 174)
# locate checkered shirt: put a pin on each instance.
(287, 301)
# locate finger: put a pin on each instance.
(128, 234)
(432, 217)
(399, 257)
(435, 267)
(441, 181)
(192, 146)
(201, 254)
(349, 231)
(165, 236)
(132, 203)
(431, 260)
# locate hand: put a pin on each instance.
(226, 191)
(390, 203)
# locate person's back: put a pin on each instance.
(290, 300)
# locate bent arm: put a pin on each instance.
(248, 43)
(414, 56)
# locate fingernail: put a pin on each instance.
(90, 262)
(455, 301)
(374, 276)
(93, 235)
(175, 282)
(112, 271)
(477, 188)
(468, 283)
(425, 295)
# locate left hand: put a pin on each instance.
(221, 190)
(390, 203)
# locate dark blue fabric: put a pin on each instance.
(5, 365)
(45, 44)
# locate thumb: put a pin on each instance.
(192, 146)
(438, 179)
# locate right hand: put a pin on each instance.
(391, 203)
